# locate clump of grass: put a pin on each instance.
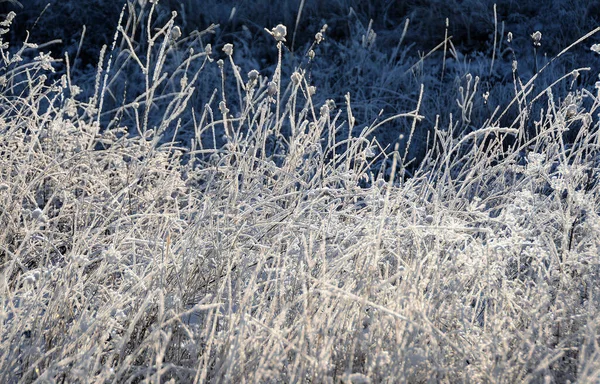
(273, 248)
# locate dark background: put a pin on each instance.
(384, 76)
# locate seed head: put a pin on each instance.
(296, 78)
(595, 48)
(228, 49)
(279, 32)
(571, 111)
(271, 88)
(253, 75)
(223, 108)
(331, 104)
(176, 33)
(318, 37)
(537, 39)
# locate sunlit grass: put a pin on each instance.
(282, 243)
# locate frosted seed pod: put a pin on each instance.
(595, 48)
(536, 39)
(176, 33)
(223, 108)
(311, 54)
(272, 88)
(509, 37)
(279, 32)
(208, 49)
(324, 110)
(318, 37)
(571, 111)
(370, 152)
(330, 104)
(312, 90)
(253, 75)
(228, 49)
(296, 78)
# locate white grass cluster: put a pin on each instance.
(127, 258)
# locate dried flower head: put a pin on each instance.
(595, 48)
(176, 33)
(208, 49)
(331, 104)
(509, 37)
(228, 49)
(318, 37)
(223, 108)
(253, 75)
(571, 111)
(296, 78)
(536, 38)
(278, 33)
(271, 88)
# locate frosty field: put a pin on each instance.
(185, 210)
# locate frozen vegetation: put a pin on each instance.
(256, 206)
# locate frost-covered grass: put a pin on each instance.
(283, 244)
